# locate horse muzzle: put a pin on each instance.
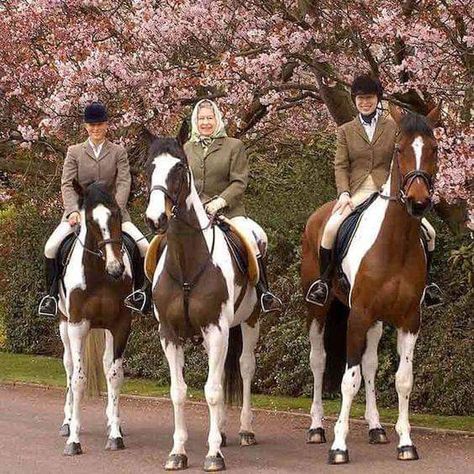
(115, 269)
(160, 225)
(418, 209)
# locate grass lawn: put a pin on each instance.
(50, 371)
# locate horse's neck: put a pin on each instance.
(187, 244)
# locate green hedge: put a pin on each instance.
(286, 186)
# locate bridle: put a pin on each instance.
(405, 181)
(101, 244)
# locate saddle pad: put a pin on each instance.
(252, 270)
(236, 248)
(65, 251)
(153, 255)
(348, 228)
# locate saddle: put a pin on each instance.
(239, 247)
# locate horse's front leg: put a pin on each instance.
(377, 434)
(174, 352)
(247, 371)
(404, 382)
(77, 333)
(216, 339)
(317, 360)
(113, 370)
(68, 366)
(357, 328)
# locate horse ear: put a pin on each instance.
(434, 117)
(77, 187)
(183, 133)
(395, 112)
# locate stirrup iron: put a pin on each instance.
(308, 294)
(130, 301)
(45, 298)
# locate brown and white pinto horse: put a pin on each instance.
(97, 278)
(386, 268)
(199, 293)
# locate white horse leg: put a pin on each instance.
(107, 362)
(77, 333)
(67, 361)
(247, 371)
(317, 360)
(404, 382)
(177, 458)
(349, 388)
(114, 377)
(377, 434)
(216, 339)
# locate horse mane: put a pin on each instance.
(412, 123)
(98, 193)
(163, 145)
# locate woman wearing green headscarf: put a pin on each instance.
(220, 170)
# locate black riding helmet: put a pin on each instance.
(95, 113)
(366, 84)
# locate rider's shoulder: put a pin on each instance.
(116, 147)
(348, 125)
(75, 149)
(233, 143)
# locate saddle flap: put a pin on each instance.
(153, 255)
(241, 250)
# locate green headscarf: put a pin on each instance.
(219, 131)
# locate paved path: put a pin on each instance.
(29, 441)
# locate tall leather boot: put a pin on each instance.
(268, 301)
(318, 292)
(49, 304)
(432, 295)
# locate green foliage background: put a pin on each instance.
(287, 184)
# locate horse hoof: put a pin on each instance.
(72, 449)
(338, 456)
(114, 444)
(224, 440)
(378, 436)
(247, 438)
(64, 430)
(176, 462)
(315, 436)
(214, 463)
(407, 453)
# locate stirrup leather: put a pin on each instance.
(131, 300)
(308, 297)
(45, 298)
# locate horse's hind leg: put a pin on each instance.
(114, 346)
(247, 371)
(177, 458)
(67, 361)
(77, 333)
(377, 434)
(216, 338)
(404, 382)
(317, 361)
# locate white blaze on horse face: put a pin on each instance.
(163, 165)
(417, 146)
(101, 216)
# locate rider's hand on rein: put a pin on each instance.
(341, 204)
(215, 205)
(74, 218)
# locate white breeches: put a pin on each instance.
(64, 229)
(254, 233)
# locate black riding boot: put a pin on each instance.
(432, 295)
(318, 292)
(268, 301)
(49, 304)
(140, 300)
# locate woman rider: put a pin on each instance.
(220, 169)
(95, 159)
(364, 154)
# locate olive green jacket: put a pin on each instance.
(357, 157)
(222, 171)
(112, 168)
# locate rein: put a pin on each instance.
(100, 244)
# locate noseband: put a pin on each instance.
(101, 244)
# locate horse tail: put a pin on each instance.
(335, 345)
(94, 351)
(233, 386)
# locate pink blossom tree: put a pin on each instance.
(278, 68)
